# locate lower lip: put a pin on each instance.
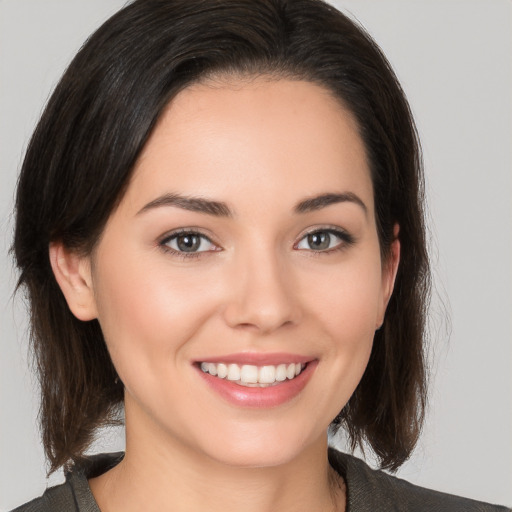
(256, 397)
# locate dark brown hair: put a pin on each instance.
(83, 151)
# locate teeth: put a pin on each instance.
(250, 375)
(233, 372)
(281, 373)
(222, 371)
(267, 375)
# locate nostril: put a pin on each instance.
(261, 303)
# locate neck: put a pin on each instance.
(165, 476)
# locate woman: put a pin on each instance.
(208, 185)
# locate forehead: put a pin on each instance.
(230, 137)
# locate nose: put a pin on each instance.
(262, 294)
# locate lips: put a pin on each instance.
(257, 380)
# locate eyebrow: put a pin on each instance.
(221, 209)
(193, 204)
(323, 200)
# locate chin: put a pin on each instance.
(256, 457)
(253, 448)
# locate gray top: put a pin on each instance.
(368, 490)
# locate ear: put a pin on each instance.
(389, 271)
(73, 274)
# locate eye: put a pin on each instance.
(188, 242)
(324, 240)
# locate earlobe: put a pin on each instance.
(73, 274)
(389, 272)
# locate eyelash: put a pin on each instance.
(163, 243)
(346, 240)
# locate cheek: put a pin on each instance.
(148, 313)
(349, 301)
(346, 310)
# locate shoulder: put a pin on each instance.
(74, 495)
(369, 490)
(55, 498)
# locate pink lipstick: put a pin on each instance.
(257, 380)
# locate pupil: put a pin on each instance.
(188, 243)
(319, 241)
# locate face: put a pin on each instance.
(239, 282)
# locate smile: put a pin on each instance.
(257, 380)
(253, 376)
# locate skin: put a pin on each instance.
(260, 146)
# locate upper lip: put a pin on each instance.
(258, 358)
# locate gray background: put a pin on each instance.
(454, 60)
